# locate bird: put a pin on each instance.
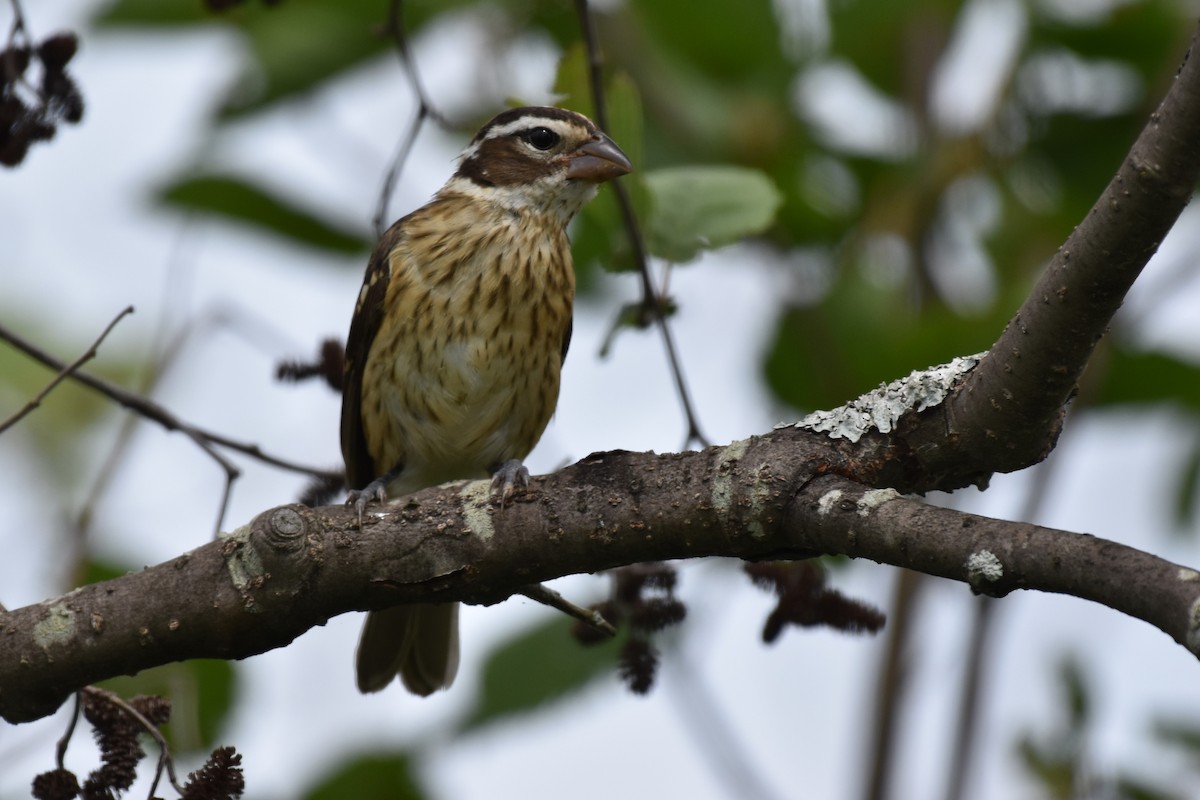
(456, 344)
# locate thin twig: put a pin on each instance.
(380, 221)
(651, 300)
(713, 734)
(60, 750)
(396, 28)
(892, 688)
(156, 413)
(975, 660)
(425, 110)
(547, 596)
(18, 24)
(63, 373)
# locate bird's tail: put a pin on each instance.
(418, 642)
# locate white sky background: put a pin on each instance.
(80, 239)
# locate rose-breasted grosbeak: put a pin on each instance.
(458, 336)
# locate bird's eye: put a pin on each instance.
(541, 138)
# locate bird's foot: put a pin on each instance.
(373, 492)
(510, 479)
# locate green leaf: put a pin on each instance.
(1076, 694)
(1182, 733)
(1134, 376)
(702, 207)
(1187, 496)
(539, 667)
(737, 43)
(378, 776)
(242, 202)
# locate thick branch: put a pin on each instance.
(293, 568)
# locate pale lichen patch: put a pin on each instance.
(873, 499)
(722, 483)
(1193, 629)
(57, 628)
(828, 501)
(476, 497)
(984, 566)
(760, 496)
(241, 558)
(881, 408)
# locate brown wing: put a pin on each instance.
(566, 344)
(368, 315)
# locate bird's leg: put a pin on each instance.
(510, 478)
(375, 491)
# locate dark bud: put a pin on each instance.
(220, 778)
(116, 734)
(15, 138)
(62, 96)
(57, 50)
(12, 151)
(330, 366)
(12, 112)
(41, 131)
(657, 613)
(634, 579)
(13, 63)
(72, 104)
(639, 665)
(57, 784)
(805, 601)
(153, 707)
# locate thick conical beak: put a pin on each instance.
(597, 161)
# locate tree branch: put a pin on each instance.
(293, 568)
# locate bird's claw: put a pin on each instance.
(373, 492)
(510, 479)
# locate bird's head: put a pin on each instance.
(538, 159)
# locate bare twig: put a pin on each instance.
(975, 661)
(547, 596)
(425, 110)
(63, 373)
(892, 687)
(18, 23)
(380, 221)
(150, 410)
(713, 734)
(60, 750)
(651, 300)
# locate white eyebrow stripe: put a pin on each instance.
(560, 126)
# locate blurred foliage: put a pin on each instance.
(1062, 764)
(910, 228)
(68, 413)
(533, 669)
(381, 776)
(250, 205)
(913, 229)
